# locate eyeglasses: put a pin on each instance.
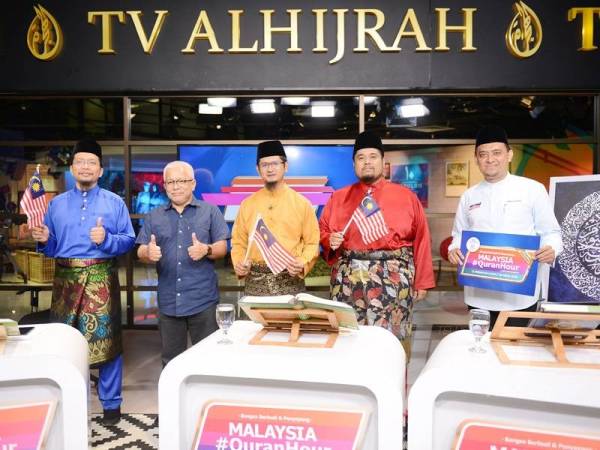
(174, 183)
(269, 165)
(86, 162)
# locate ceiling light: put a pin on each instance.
(153, 100)
(263, 106)
(368, 99)
(205, 108)
(322, 109)
(223, 102)
(295, 101)
(412, 107)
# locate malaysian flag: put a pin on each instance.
(276, 257)
(369, 220)
(33, 202)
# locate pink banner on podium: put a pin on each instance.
(24, 427)
(226, 426)
(473, 435)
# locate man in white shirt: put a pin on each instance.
(504, 203)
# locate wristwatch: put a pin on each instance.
(208, 250)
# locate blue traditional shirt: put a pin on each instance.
(72, 214)
(185, 286)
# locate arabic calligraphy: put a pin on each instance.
(524, 34)
(44, 36)
(588, 244)
(580, 259)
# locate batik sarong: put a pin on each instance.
(378, 285)
(261, 281)
(86, 296)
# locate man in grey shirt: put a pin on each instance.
(184, 238)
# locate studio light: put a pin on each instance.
(205, 108)
(263, 106)
(412, 107)
(223, 102)
(322, 109)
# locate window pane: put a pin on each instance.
(17, 167)
(440, 174)
(61, 119)
(523, 117)
(245, 118)
(147, 192)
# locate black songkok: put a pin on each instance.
(88, 146)
(491, 133)
(366, 139)
(269, 148)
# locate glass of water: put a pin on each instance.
(225, 318)
(479, 326)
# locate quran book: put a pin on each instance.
(566, 324)
(344, 313)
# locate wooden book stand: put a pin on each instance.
(557, 338)
(296, 322)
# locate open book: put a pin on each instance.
(566, 323)
(344, 313)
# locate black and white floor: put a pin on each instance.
(134, 431)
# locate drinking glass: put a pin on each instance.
(225, 318)
(479, 326)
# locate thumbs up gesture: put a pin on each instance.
(154, 253)
(197, 250)
(98, 233)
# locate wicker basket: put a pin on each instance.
(41, 268)
(22, 260)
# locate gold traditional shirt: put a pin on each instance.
(288, 215)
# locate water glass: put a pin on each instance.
(479, 326)
(225, 318)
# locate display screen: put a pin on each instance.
(225, 175)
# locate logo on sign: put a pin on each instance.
(44, 36)
(524, 34)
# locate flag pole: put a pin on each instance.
(347, 225)
(37, 168)
(251, 238)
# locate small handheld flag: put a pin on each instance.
(369, 220)
(276, 257)
(33, 203)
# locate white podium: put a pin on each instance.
(50, 363)
(456, 385)
(363, 371)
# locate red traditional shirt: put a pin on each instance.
(404, 217)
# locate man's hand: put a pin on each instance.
(242, 268)
(546, 254)
(295, 268)
(98, 233)
(153, 252)
(197, 250)
(455, 256)
(335, 240)
(419, 295)
(40, 234)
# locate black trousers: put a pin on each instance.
(174, 331)
(511, 322)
